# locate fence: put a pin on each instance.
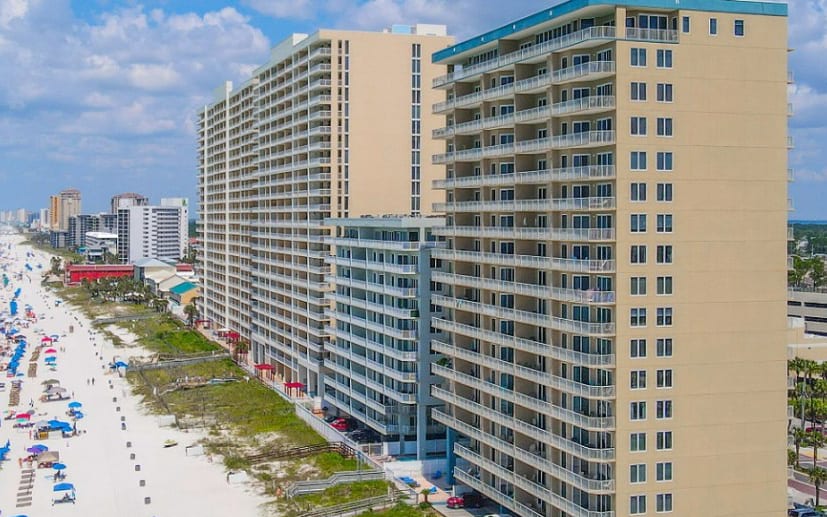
(183, 361)
(301, 452)
(352, 508)
(311, 487)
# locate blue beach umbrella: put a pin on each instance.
(79, 415)
(121, 364)
(75, 404)
(63, 487)
(58, 466)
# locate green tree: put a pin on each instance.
(817, 477)
(191, 311)
(795, 365)
(799, 271)
(792, 458)
(816, 440)
(817, 274)
(799, 438)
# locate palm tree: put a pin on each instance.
(817, 476)
(241, 348)
(191, 311)
(799, 438)
(816, 440)
(795, 365)
(817, 274)
(810, 367)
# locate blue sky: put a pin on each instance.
(101, 95)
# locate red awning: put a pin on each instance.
(264, 366)
(233, 335)
(293, 385)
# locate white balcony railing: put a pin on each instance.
(582, 139)
(582, 70)
(592, 33)
(528, 232)
(528, 205)
(538, 177)
(583, 104)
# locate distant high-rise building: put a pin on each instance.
(62, 206)
(44, 219)
(127, 199)
(335, 124)
(153, 231)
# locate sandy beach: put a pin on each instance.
(108, 481)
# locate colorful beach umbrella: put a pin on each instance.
(51, 351)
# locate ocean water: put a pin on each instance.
(804, 221)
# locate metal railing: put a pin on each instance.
(537, 177)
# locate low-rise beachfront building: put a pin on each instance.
(811, 306)
(77, 273)
(377, 366)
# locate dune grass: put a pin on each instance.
(167, 335)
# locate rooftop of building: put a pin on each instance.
(100, 267)
(151, 262)
(102, 235)
(559, 13)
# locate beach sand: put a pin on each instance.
(99, 463)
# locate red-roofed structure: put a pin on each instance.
(76, 273)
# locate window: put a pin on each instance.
(685, 24)
(637, 410)
(637, 317)
(664, 192)
(664, 503)
(713, 26)
(664, 409)
(638, 223)
(638, 91)
(638, 254)
(638, 348)
(664, 347)
(664, 316)
(664, 223)
(739, 27)
(664, 440)
(664, 58)
(638, 380)
(637, 504)
(638, 57)
(638, 126)
(637, 442)
(664, 126)
(664, 378)
(664, 161)
(664, 254)
(637, 473)
(638, 191)
(637, 161)
(664, 92)
(664, 471)
(638, 285)
(664, 285)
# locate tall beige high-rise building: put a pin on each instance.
(615, 300)
(334, 125)
(63, 206)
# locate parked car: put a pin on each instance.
(364, 436)
(330, 418)
(469, 500)
(343, 424)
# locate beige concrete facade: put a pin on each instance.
(335, 125)
(543, 232)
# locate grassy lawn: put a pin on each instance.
(401, 510)
(167, 335)
(336, 495)
(248, 408)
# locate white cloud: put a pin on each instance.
(112, 97)
(295, 9)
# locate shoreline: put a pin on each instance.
(108, 479)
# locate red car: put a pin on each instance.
(343, 424)
(470, 500)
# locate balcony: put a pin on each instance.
(590, 71)
(536, 83)
(528, 205)
(589, 296)
(529, 318)
(790, 175)
(524, 344)
(790, 144)
(529, 233)
(374, 244)
(538, 177)
(389, 267)
(525, 372)
(528, 261)
(495, 495)
(595, 34)
(475, 126)
(660, 35)
(372, 287)
(539, 145)
(584, 105)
